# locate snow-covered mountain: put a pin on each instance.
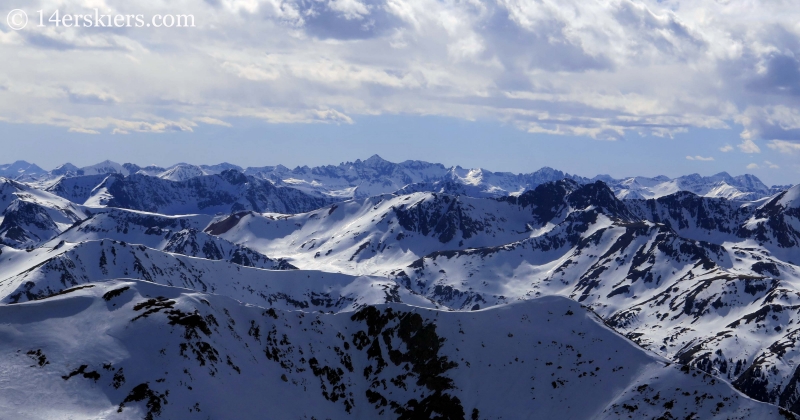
(175, 234)
(46, 271)
(130, 349)
(420, 291)
(76, 189)
(374, 235)
(104, 167)
(182, 172)
(722, 185)
(208, 194)
(777, 222)
(374, 176)
(728, 309)
(21, 169)
(31, 217)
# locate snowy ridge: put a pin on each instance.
(175, 234)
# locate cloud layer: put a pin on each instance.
(596, 68)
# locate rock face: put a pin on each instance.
(448, 298)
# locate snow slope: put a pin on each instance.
(376, 234)
(125, 349)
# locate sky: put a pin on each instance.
(617, 87)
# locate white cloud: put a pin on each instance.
(752, 166)
(251, 71)
(705, 159)
(82, 130)
(599, 69)
(774, 121)
(212, 121)
(350, 9)
(771, 165)
(749, 146)
(90, 95)
(784, 147)
(726, 148)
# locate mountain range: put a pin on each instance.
(373, 176)
(406, 290)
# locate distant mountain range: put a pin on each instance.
(373, 176)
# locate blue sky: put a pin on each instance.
(491, 145)
(624, 87)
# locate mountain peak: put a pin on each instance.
(106, 162)
(20, 168)
(104, 167)
(67, 167)
(374, 159)
(547, 169)
(181, 172)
